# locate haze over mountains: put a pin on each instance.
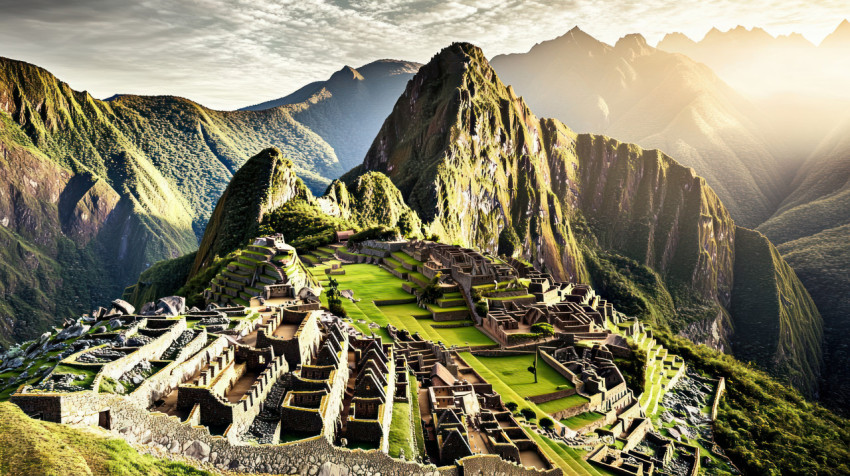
(803, 87)
(347, 110)
(658, 100)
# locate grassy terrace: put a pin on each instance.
(511, 379)
(403, 257)
(514, 369)
(581, 420)
(401, 433)
(569, 459)
(370, 283)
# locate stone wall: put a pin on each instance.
(548, 397)
(150, 351)
(451, 315)
(721, 386)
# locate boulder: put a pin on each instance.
(148, 309)
(172, 305)
(70, 332)
(198, 450)
(123, 306)
(15, 363)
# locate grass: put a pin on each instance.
(370, 283)
(29, 447)
(514, 369)
(566, 458)
(581, 420)
(401, 434)
(413, 388)
(405, 258)
(563, 403)
(506, 387)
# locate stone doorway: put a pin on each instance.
(104, 420)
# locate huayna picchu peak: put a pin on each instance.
(590, 258)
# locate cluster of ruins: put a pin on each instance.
(265, 369)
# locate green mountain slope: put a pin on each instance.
(124, 183)
(264, 183)
(812, 229)
(481, 170)
(266, 197)
(32, 446)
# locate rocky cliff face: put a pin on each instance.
(480, 169)
(639, 94)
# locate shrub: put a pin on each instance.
(547, 423)
(543, 329)
(512, 406)
(527, 413)
(481, 308)
(520, 337)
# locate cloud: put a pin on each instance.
(230, 53)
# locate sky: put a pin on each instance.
(227, 54)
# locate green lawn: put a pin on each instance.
(582, 420)
(401, 433)
(514, 369)
(563, 403)
(405, 258)
(370, 283)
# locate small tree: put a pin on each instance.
(533, 367)
(334, 299)
(512, 406)
(431, 292)
(481, 308)
(546, 423)
(527, 413)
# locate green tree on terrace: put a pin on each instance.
(512, 406)
(533, 368)
(543, 329)
(334, 298)
(528, 413)
(431, 292)
(547, 423)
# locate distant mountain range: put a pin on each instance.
(803, 87)
(657, 100)
(347, 110)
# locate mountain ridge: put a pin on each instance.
(660, 101)
(538, 183)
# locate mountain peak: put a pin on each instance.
(675, 41)
(840, 37)
(634, 43)
(347, 73)
(263, 183)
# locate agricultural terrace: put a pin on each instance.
(371, 285)
(512, 380)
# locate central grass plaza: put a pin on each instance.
(508, 375)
